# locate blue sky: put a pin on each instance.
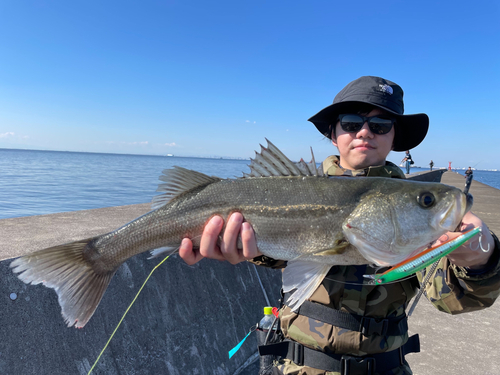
(199, 78)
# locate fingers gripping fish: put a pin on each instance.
(298, 214)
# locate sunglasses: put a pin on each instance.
(378, 124)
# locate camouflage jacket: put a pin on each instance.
(452, 289)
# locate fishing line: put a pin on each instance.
(126, 311)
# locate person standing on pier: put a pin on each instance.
(408, 161)
(468, 172)
(365, 122)
(431, 164)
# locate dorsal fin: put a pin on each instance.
(272, 162)
(269, 162)
(177, 181)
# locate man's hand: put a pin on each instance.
(470, 254)
(228, 247)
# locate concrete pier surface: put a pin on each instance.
(466, 343)
(188, 317)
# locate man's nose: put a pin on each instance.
(365, 130)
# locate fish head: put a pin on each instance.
(399, 218)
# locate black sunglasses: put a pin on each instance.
(351, 123)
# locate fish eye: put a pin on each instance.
(426, 199)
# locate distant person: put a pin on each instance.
(408, 161)
(468, 172)
(431, 164)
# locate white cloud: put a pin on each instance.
(5, 135)
(170, 144)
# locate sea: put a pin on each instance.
(44, 182)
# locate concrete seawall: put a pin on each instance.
(188, 317)
(185, 321)
(427, 176)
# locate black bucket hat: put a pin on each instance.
(410, 130)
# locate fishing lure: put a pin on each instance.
(422, 260)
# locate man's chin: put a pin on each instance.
(362, 161)
(369, 164)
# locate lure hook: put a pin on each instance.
(479, 244)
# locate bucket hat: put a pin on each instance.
(410, 130)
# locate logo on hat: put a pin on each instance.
(386, 88)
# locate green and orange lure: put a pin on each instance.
(422, 260)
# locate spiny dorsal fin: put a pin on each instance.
(177, 181)
(272, 162)
(269, 162)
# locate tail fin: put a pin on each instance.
(79, 288)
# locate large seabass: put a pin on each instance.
(299, 215)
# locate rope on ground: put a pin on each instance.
(126, 311)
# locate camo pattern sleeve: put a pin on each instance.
(457, 290)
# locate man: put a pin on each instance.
(431, 164)
(468, 172)
(365, 122)
(408, 161)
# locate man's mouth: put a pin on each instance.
(364, 146)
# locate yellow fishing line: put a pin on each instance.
(126, 311)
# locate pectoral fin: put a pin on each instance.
(339, 248)
(303, 278)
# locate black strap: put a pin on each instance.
(366, 325)
(346, 365)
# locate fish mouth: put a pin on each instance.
(454, 214)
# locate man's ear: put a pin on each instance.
(334, 139)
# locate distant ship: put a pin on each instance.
(170, 154)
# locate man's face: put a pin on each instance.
(363, 148)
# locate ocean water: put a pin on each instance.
(45, 182)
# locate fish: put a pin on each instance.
(298, 214)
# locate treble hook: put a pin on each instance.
(479, 244)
